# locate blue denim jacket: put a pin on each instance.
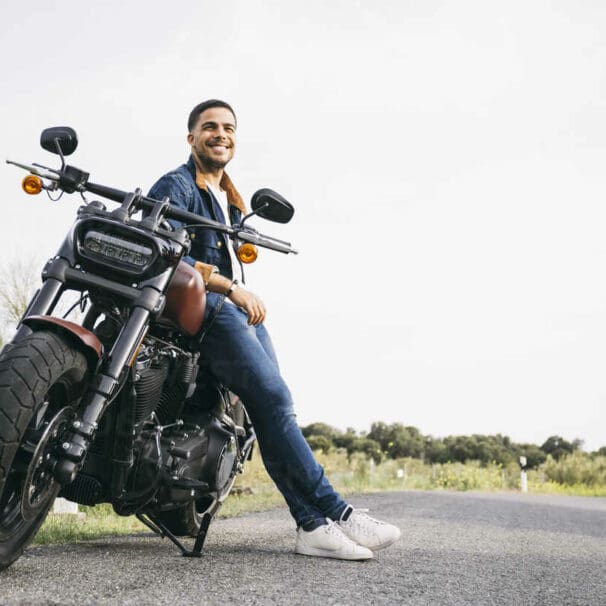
(208, 246)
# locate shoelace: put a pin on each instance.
(333, 529)
(357, 521)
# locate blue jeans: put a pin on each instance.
(242, 357)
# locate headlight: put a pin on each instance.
(118, 251)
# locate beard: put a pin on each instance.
(210, 162)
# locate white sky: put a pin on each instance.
(446, 159)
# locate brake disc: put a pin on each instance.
(39, 485)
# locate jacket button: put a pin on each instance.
(192, 236)
(219, 244)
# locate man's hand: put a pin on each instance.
(250, 303)
(246, 300)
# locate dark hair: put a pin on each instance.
(201, 107)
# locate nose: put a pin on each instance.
(221, 132)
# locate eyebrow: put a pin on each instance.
(213, 123)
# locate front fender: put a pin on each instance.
(80, 337)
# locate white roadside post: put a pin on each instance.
(62, 505)
(523, 478)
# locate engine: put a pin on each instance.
(176, 452)
(178, 462)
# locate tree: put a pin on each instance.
(556, 446)
(600, 452)
(397, 440)
(317, 442)
(534, 455)
(436, 451)
(370, 448)
(320, 429)
(18, 280)
(344, 440)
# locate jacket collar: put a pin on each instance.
(233, 197)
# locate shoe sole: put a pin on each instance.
(322, 553)
(382, 545)
(377, 547)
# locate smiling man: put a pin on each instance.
(237, 349)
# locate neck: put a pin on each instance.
(211, 175)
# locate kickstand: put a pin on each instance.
(160, 529)
(207, 518)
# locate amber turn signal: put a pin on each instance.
(247, 252)
(32, 184)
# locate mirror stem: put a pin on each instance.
(254, 212)
(60, 152)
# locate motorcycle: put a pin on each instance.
(115, 408)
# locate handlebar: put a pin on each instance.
(171, 212)
(78, 181)
(193, 219)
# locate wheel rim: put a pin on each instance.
(39, 485)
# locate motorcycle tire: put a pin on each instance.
(42, 379)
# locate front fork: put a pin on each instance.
(147, 301)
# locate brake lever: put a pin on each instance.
(53, 170)
(34, 170)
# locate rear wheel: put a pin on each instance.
(185, 521)
(41, 380)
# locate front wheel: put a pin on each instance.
(41, 380)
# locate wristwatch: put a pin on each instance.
(231, 288)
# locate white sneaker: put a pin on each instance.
(328, 541)
(367, 531)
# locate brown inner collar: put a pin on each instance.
(233, 196)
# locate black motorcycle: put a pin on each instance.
(115, 408)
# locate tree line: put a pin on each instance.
(395, 440)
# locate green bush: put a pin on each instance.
(319, 442)
(576, 468)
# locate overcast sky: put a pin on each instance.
(446, 160)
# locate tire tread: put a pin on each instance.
(27, 370)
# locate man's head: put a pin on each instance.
(212, 133)
(195, 113)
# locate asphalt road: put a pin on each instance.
(457, 548)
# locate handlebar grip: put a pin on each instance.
(265, 242)
(107, 192)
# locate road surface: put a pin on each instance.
(457, 548)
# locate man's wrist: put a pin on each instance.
(206, 271)
(234, 284)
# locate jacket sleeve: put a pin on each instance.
(171, 185)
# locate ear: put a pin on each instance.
(190, 138)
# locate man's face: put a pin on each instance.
(213, 138)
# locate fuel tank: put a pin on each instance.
(186, 300)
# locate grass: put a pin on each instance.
(355, 475)
(96, 522)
